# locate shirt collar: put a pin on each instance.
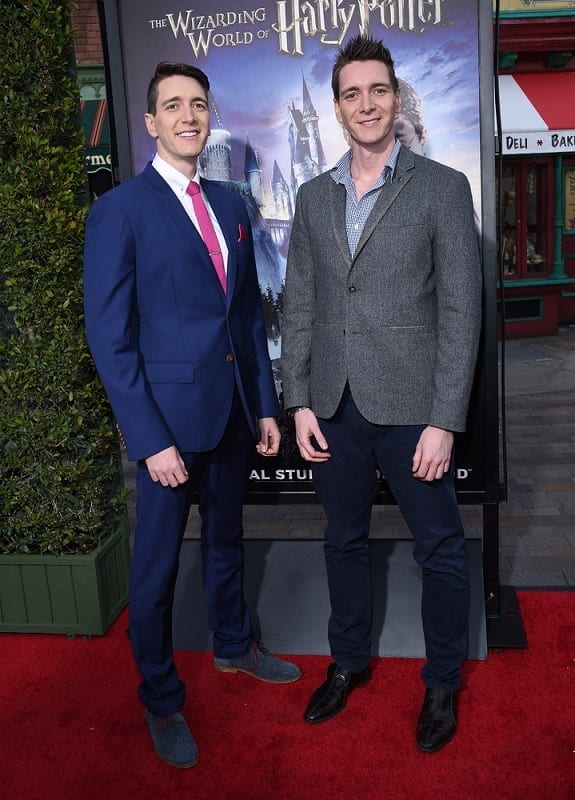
(177, 181)
(341, 173)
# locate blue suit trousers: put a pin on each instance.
(220, 478)
(346, 487)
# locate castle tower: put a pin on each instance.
(215, 161)
(253, 174)
(303, 166)
(281, 194)
(310, 120)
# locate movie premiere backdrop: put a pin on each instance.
(273, 128)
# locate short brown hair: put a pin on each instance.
(362, 48)
(166, 69)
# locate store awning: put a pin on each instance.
(97, 132)
(537, 112)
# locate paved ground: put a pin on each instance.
(537, 522)
(537, 541)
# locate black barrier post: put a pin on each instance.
(504, 626)
(503, 615)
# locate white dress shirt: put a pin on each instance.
(178, 183)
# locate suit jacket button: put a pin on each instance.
(352, 289)
(229, 358)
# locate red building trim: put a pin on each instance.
(544, 34)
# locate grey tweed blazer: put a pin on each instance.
(400, 321)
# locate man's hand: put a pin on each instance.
(167, 467)
(432, 454)
(308, 434)
(269, 443)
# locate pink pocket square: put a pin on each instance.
(243, 236)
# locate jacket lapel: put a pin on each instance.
(388, 195)
(169, 200)
(337, 205)
(188, 230)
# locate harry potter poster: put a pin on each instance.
(272, 118)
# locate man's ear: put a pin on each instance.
(336, 110)
(150, 125)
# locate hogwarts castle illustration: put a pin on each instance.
(270, 204)
(307, 156)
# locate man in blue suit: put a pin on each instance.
(183, 358)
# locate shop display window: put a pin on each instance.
(526, 218)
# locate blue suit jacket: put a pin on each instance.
(169, 345)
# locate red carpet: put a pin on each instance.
(71, 726)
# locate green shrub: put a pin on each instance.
(60, 475)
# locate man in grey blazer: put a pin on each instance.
(380, 331)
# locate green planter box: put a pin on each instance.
(73, 594)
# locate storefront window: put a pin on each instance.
(526, 219)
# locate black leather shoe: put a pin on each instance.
(330, 698)
(437, 720)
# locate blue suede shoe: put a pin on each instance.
(172, 739)
(260, 664)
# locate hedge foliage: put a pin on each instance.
(60, 477)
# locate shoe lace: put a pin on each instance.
(259, 648)
(163, 722)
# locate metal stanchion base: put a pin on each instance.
(504, 622)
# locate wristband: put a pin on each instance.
(291, 412)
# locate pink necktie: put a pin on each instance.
(208, 233)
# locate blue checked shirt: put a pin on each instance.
(357, 211)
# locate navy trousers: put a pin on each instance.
(220, 477)
(346, 486)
